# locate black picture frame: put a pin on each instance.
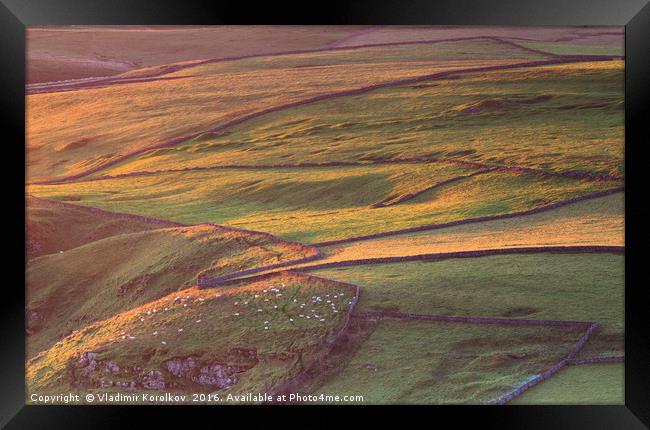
(15, 15)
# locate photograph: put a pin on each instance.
(325, 214)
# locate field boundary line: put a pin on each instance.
(464, 221)
(569, 359)
(174, 67)
(318, 98)
(442, 183)
(330, 342)
(238, 277)
(171, 224)
(74, 84)
(570, 174)
(471, 320)
(518, 391)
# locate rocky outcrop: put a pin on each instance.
(214, 373)
(88, 370)
(154, 380)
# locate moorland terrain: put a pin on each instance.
(410, 214)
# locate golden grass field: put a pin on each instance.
(202, 97)
(178, 211)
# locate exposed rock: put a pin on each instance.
(111, 367)
(90, 368)
(217, 375)
(181, 367)
(154, 380)
(213, 374)
(86, 358)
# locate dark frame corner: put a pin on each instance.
(15, 15)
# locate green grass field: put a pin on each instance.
(577, 287)
(598, 221)
(331, 203)
(593, 384)
(421, 362)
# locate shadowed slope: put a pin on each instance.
(66, 291)
(54, 226)
(71, 52)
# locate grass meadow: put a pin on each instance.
(181, 199)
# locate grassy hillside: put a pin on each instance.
(331, 203)
(67, 291)
(246, 339)
(70, 132)
(558, 118)
(421, 362)
(189, 167)
(579, 287)
(54, 227)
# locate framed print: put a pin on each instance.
(374, 205)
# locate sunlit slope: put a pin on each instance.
(577, 287)
(55, 227)
(597, 221)
(561, 118)
(422, 362)
(66, 291)
(245, 339)
(73, 131)
(330, 203)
